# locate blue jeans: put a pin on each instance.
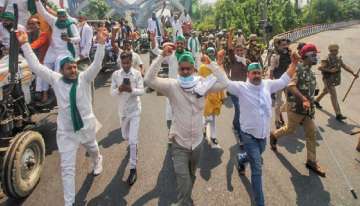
(236, 120)
(254, 148)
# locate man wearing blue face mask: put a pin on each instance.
(186, 95)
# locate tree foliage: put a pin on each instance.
(282, 14)
(96, 9)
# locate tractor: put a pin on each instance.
(22, 149)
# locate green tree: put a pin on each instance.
(96, 9)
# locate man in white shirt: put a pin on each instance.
(194, 47)
(255, 120)
(127, 84)
(185, 18)
(7, 23)
(76, 121)
(154, 26)
(64, 35)
(176, 24)
(24, 13)
(86, 36)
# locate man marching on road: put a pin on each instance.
(187, 98)
(255, 120)
(301, 108)
(76, 121)
(331, 72)
(127, 84)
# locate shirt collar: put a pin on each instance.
(131, 72)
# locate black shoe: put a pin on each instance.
(317, 105)
(132, 177)
(279, 124)
(340, 117)
(273, 142)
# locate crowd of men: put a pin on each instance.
(205, 70)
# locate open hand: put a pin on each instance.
(220, 57)
(294, 58)
(168, 49)
(102, 35)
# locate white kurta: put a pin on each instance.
(57, 45)
(24, 14)
(64, 124)
(153, 28)
(86, 35)
(129, 107)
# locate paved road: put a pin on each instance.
(286, 181)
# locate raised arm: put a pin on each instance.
(40, 70)
(161, 85)
(279, 84)
(154, 45)
(221, 82)
(42, 11)
(90, 73)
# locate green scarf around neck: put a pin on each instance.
(75, 114)
(62, 24)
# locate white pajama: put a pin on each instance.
(130, 130)
(210, 121)
(68, 162)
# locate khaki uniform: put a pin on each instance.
(305, 82)
(254, 53)
(331, 80)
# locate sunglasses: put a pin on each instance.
(334, 50)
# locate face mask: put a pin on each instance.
(186, 79)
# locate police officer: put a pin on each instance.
(254, 50)
(279, 63)
(331, 72)
(301, 108)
